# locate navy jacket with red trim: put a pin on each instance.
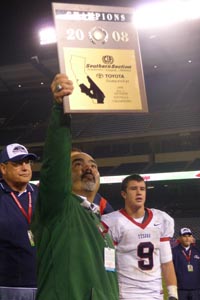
(17, 256)
(105, 207)
(187, 280)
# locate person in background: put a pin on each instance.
(142, 239)
(186, 258)
(17, 203)
(75, 258)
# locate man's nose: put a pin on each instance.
(24, 164)
(87, 166)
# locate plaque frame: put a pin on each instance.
(98, 48)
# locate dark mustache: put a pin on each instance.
(86, 173)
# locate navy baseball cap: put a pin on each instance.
(15, 152)
(184, 231)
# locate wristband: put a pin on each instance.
(172, 292)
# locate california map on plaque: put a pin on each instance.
(85, 82)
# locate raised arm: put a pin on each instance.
(55, 176)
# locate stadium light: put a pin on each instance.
(166, 13)
(47, 35)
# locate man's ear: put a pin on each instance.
(123, 194)
(2, 168)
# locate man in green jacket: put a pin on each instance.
(75, 255)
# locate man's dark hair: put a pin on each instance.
(131, 177)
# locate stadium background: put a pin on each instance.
(167, 139)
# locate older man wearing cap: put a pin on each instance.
(17, 202)
(186, 258)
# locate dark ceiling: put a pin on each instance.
(165, 139)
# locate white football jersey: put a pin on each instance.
(139, 248)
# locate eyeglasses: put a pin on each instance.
(19, 163)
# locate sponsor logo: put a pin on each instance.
(108, 59)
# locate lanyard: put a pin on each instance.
(27, 216)
(187, 256)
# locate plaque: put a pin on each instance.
(98, 49)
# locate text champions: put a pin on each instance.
(92, 16)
